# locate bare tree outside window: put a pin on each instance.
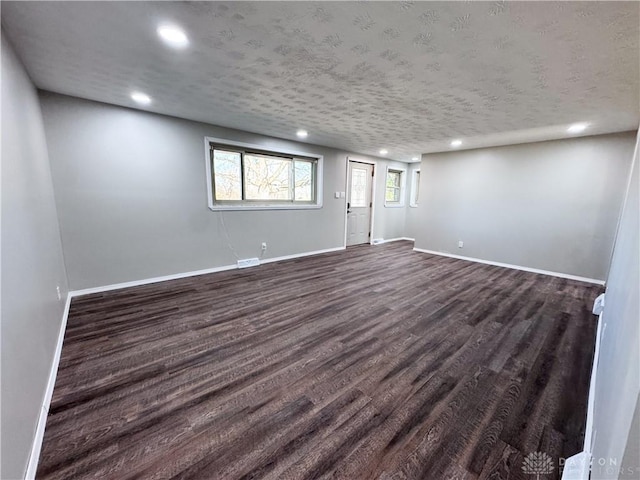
(228, 173)
(393, 185)
(240, 176)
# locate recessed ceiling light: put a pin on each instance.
(141, 98)
(577, 128)
(302, 133)
(456, 143)
(415, 159)
(383, 152)
(173, 36)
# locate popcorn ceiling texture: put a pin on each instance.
(406, 76)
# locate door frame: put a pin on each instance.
(348, 194)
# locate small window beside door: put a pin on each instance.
(394, 187)
(415, 189)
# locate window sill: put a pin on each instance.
(394, 205)
(217, 208)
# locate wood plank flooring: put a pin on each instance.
(377, 362)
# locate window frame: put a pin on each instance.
(415, 188)
(221, 143)
(403, 185)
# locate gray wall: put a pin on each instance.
(618, 371)
(413, 214)
(390, 222)
(132, 196)
(32, 266)
(631, 459)
(549, 205)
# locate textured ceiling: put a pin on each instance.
(405, 76)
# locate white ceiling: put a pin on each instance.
(405, 76)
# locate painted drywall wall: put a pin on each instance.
(550, 205)
(132, 196)
(390, 220)
(618, 370)
(32, 266)
(413, 211)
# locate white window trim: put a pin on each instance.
(403, 186)
(414, 185)
(248, 206)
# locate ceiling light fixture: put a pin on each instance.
(141, 98)
(173, 36)
(414, 159)
(456, 143)
(302, 133)
(383, 152)
(577, 128)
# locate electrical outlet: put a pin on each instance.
(58, 292)
(264, 246)
(460, 244)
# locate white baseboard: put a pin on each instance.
(147, 281)
(577, 466)
(588, 433)
(379, 241)
(300, 255)
(515, 267)
(34, 456)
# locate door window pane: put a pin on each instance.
(358, 187)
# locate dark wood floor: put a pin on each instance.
(377, 362)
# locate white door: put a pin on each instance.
(359, 203)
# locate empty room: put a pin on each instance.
(320, 240)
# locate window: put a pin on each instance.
(359, 187)
(394, 188)
(243, 177)
(415, 189)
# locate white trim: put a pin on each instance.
(515, 267)
(236, 208)
(248, 206)
(36, 446)
(577, 466)
(373, 194)
(380, 241)
(588, 434)
(147, 281)
(403, 186)
(176, 276)
(300, 255)
(414, 183)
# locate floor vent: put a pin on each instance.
(248, 262)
